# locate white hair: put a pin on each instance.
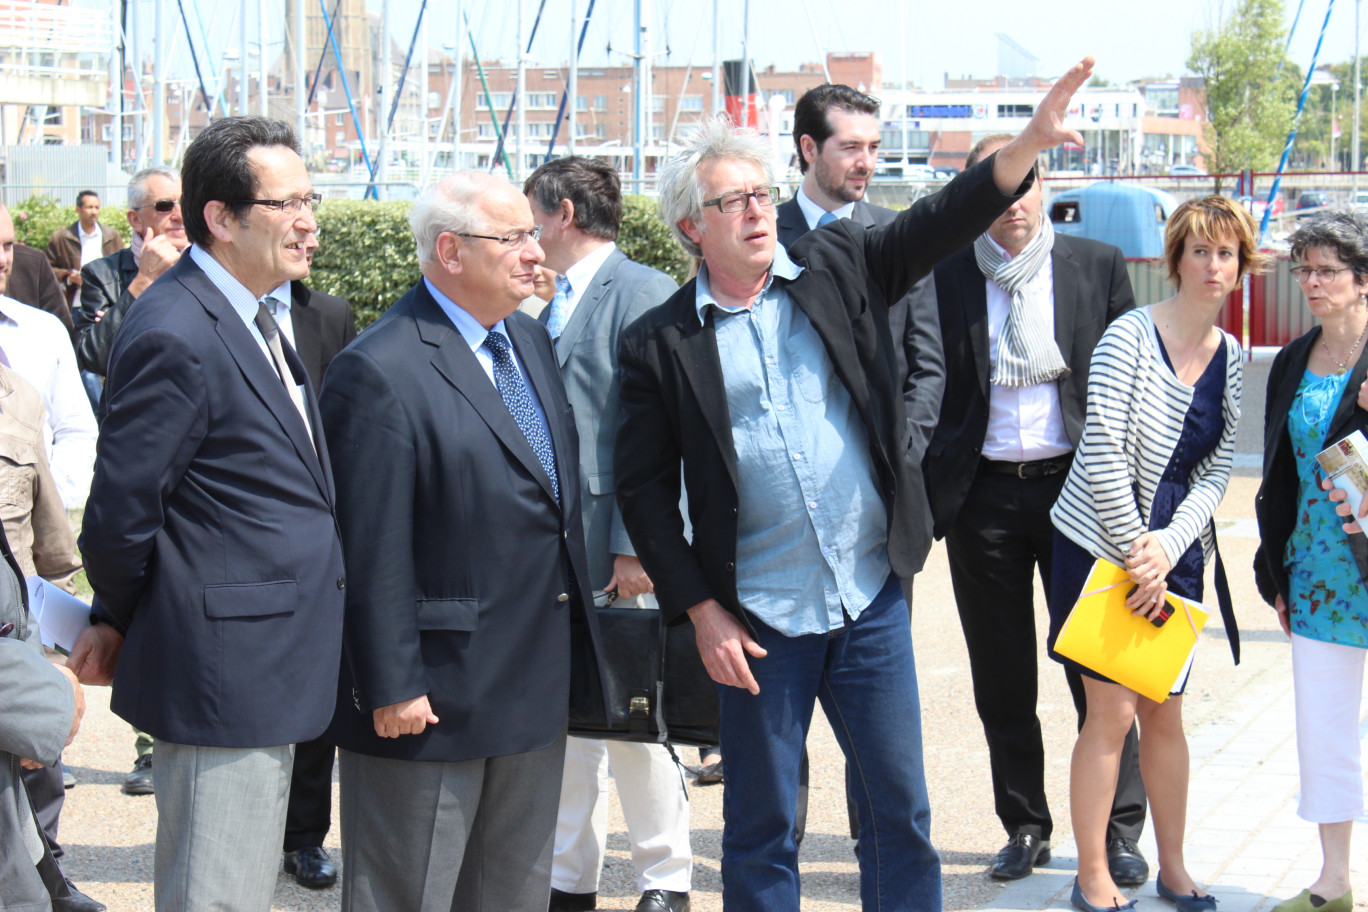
(451, 204)
(681, 193)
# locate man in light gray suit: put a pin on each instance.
(578, 203)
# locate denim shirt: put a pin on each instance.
(812, 530)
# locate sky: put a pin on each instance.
(933, 37)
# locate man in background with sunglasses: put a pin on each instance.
(111, 284)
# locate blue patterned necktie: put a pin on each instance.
(519, 402)
(827, 218)
(560, 307)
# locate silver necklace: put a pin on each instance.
(1343, 365)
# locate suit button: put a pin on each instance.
(341, 582)
(565, 535)
(730, 566)
(733, 511)
(563, 597)
(6, 630)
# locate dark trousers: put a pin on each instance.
(1001, 535)
(309, 815)
(47, 794)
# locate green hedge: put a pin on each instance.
(366, 251)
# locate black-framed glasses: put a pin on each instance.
(516, 239)
(291, 206)
(1326, 274)
(737, 202)
(162, 206)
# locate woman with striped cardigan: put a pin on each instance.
(1163, 402)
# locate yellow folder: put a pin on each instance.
(1101, 634)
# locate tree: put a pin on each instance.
(1249, 102)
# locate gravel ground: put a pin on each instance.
(109, 836)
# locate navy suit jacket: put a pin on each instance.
(209, 535)
(1091, 289)
(459, 556)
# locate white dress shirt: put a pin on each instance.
(92, 244)
(582, 273)
(39, 349)
(1024, 423)
(812, 212)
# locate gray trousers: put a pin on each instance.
(220, 820)
(467, 836)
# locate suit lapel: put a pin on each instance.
(258, 370)
(544, 379)
(863, 214)
(1065, 272)
(308, 329)
(790, 223)
(458, 366)
(696, 350)
(973, 292)
(589, 301)
(812, 292)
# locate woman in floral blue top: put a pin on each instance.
(1308, 567)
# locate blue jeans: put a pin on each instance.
(865, 677)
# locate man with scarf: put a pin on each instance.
(1021, 310)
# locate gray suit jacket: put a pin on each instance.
(620, 292)
(38, 706)
(914, 323)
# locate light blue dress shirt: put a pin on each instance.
(474, 335)
(812, 529)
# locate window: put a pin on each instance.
(337, 119)
(1015, 110)
(502, 99)
(1066, 213)
(657, 102)
(581, 103)
(691, 103)
(601, 131)
(600, 102)
(542, 100)
(786, 94)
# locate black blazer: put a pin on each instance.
(458, 555)
(913, 323)
(209, 534)
(1276, 505)
(1091, 289)
(323, 324)
(674, 405)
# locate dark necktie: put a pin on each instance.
(270, 331)
(519, 402)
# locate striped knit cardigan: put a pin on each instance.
(1135, 413)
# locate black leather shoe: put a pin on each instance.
(1021, 853)
(139, 782)
(572, 902)
(311, 867)
(1127, 866)
(75, 901)
(663, 901)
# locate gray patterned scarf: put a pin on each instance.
(1027, 353)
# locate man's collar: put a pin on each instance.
(8, 307)
(812, 212)
(583, 272)
(81, 232)
(470, 329)
(782, 268)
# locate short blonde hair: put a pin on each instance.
(1213, 218)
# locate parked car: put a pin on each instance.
(1313, 200)
(1128, 216)
(1184, 170)
(1257, 205)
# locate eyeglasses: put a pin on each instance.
(291, 206)
(516, 239)
(1325, 273)
(162, 206)
(737, 202)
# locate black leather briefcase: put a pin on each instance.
(657, 687)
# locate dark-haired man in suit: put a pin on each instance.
(997, 461)
(209, 535)
(578, 203)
